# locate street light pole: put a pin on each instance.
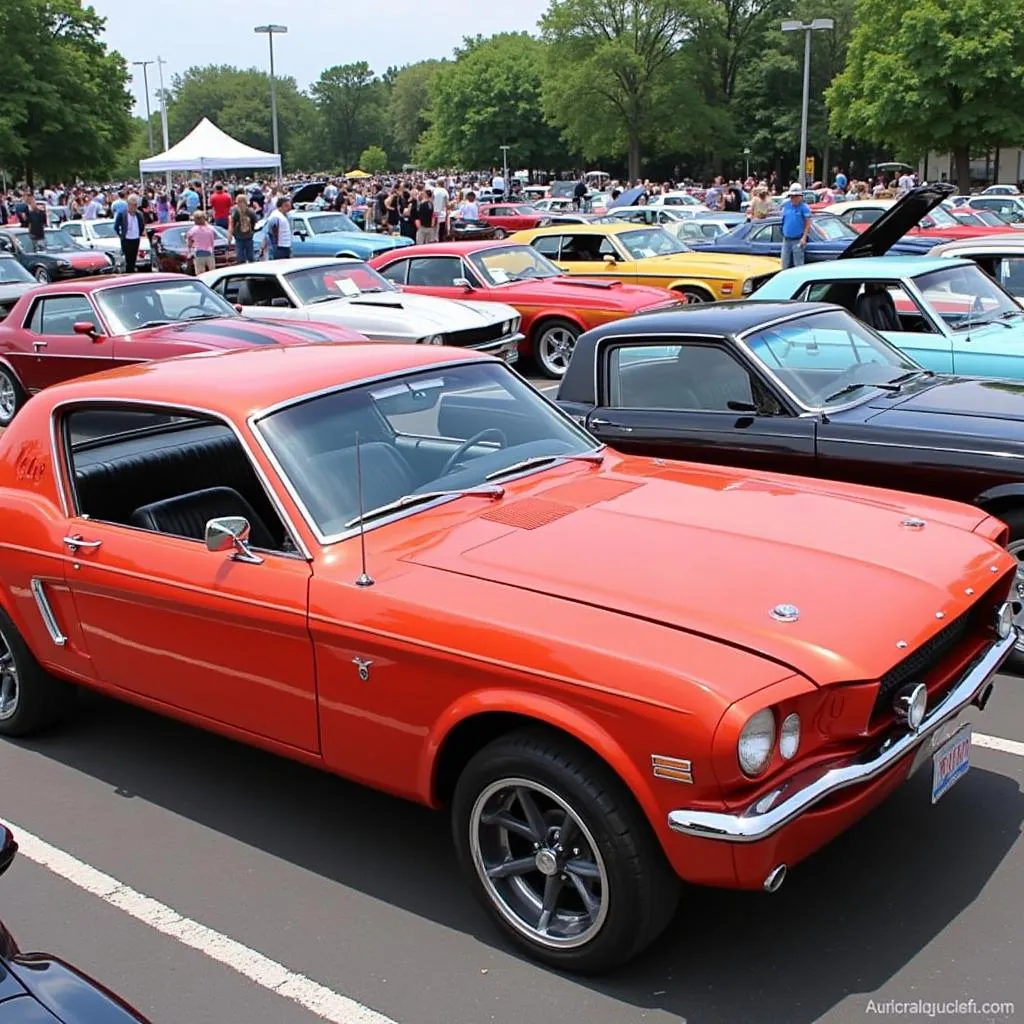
(269, 31)
(145, 82)
(807, 28)
(504, 162)
(746, 155)
(160, 62)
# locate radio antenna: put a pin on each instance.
(364, 579)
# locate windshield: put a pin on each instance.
(512, 263)
(965, 296)
(149, 304)
(336, 281)
(830, 228)
(442, 429)
(329, 223)
(103, 228)
(12, 272)
(940, 218)
(827, 358)
(983, 217)
(57, 239)
(647, 242)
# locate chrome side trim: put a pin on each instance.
(917, 447)
(777, 809)
(49, 619)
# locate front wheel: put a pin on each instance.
(42, 275)
(12, 396)
(692, 296)
(559, 854)
(553, 347)
(1014, 519)
(500, 233)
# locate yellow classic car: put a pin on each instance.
(639, 254)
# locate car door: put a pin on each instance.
(436, 275)
(171, 622)
(586, 252)
(692, 398)
(765, 240)
(52, 351)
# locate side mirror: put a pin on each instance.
(462, 282)
(8, 848)
(231, 533)
(609, 258)
(88, 328)
(280, 303)
(300, 235)
(239, 308)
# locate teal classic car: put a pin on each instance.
(333, 234)
(945, 313)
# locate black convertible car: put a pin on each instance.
(800, 388)
(38, 988)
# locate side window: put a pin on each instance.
(500, 211)
(58, 314)
(761, 234)
(261, 290)
(685, 377)
(607, 248)
(1009, 272)
(548, 245)
(6, 244)
(395, 272)
(581, 248)
(434, 273)
(864, 216)
(885, 306)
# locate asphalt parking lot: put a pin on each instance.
(206, 881)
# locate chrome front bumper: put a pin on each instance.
(506, 348)
(778, 808)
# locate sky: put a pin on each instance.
(320, 35)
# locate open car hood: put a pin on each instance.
(906, 213)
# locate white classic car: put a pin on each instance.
(99, 234)
(356, 296)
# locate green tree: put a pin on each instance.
(934, 75)
(238, 102)
(616, 77)
(352, 104)
(373, 159)
(65, 108)
(409, 104)
(489, 96)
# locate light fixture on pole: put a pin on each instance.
(807, 28)
(504, 164)
(160, 62)
(145, 83)
(270, 31)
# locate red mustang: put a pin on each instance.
(938, 223)
(555, 308)
(506, 218)
(61, 331)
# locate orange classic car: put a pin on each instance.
(417, 572)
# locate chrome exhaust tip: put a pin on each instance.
(775, 878)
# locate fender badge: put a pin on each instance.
(785, 613)
(914, 524)
(363, 666)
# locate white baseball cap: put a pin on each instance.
(795, 189)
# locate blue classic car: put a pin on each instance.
(333, 234)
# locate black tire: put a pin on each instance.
(694, 296)
(12, 396)
(554, 342)
(39, 699)
(500, 233)
(1014, 519)
(638, 890)
(42, 275)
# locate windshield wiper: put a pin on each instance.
(890, 386)
(205, 316)
(408, 500)
(153, 323)
(543, 460)
(326, 298)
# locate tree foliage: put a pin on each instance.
(942, 75)
(351, 102)
(65, 108)
(408, 104)
(373, 159)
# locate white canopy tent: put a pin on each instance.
(207, 148)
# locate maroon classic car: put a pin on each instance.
(60, 331)
(170, 248)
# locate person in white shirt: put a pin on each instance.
(498, 185)
(277, 234)
(470, 210)
(440, 209)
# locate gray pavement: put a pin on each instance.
(359, 892)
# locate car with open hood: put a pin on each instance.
(58, 332)
(351, 293)
(938, 224)
(332, 234)
(408, 567)
(60, 257)
(554, 307)
(649, 255)
(41, 988)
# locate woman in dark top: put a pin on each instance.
(407, 217)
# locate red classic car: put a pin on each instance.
(170, 248)
(407, 567)
(555, 308)
(60, 331)
(939, 223)
(506, 218)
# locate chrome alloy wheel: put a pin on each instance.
(539, 863)
(554, 347)
(8, 681)
(1016, 548)
(8, 399)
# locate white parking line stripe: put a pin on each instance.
(266, 973)
(998, 743)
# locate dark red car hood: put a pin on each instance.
(245, 332)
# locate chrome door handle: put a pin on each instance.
(608, 423)
(37, 345)
(75, 543)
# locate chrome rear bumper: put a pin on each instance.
(778, 808)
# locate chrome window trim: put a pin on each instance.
(64, 480)
(930, 448)
(326, 539)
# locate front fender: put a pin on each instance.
(1000, 496)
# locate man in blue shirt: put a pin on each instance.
(796, 224)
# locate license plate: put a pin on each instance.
(951, 762)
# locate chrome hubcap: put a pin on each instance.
(42, 275)
(539, 863)
(556, 345)
(692, 298)
(8, 398)
(1016, 548)
(8, 681)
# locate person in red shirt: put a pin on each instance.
(220, 203)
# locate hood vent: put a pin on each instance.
(528, 514)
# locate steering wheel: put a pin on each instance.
(199, 309)
(482, 435)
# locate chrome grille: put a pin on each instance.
(474, 336)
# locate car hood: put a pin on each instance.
(903, 215)
(412, 315)
(704, 262)
(590, 293)
(968, 405)
(712, 551)
(15, 290)
(246, 332)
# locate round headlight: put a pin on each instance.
(748, 286)
(789, 736)
(910, 705)
(756, 742)
(1004, 621)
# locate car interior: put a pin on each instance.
(883, 305)
(255, 290)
